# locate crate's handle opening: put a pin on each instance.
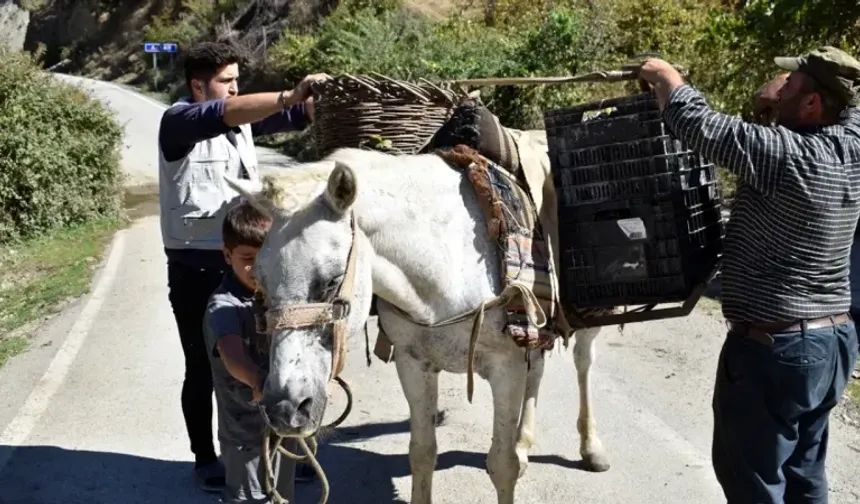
(614, 214)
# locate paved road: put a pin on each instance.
(91, 414)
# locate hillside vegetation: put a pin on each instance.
(727, 45)
(60, 193)
(59, 153)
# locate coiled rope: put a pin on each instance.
(307, 444)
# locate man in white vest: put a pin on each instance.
(201, 139)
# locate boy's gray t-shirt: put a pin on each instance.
(230, 311)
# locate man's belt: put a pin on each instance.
(763, 332)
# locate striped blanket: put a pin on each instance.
(525, 261)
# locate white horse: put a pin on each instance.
(420, 243)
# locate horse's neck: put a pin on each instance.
(433, 256)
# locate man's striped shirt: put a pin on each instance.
(798, 201)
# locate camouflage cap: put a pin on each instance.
(834, 69)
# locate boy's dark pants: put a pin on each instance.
(190, 289)
(772, 402)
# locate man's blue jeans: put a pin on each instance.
(772, 405)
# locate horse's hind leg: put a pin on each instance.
(421, 387)
(590, 447)
(507, 378)
(526, 431)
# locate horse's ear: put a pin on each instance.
(256, 196)
(342, 188)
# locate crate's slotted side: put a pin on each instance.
(639, 212)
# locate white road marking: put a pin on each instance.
(20, 428)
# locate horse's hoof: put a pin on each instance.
(523, 468)
(596, 462)
(523, 457)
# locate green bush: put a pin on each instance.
(59, 153)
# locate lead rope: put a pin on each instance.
(308, 446)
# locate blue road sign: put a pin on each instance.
(160, 47)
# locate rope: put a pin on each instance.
(308, 445)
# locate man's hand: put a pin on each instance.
(303, 90)
(654, 70)
(766, 101)
(662, 76)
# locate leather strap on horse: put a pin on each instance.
(507, 295)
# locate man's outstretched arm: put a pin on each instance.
(182, 126)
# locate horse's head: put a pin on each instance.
(314, 275)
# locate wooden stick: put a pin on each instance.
(614, 75)
(626, 74)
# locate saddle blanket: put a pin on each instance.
(525, 261)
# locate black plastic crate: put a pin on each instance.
(639, 213)
(624, 225)
(674, 175)
(628, 118)
(582, 159)
(614, 129)
(636, 260)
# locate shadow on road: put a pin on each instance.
(358, 476)
(49, 474)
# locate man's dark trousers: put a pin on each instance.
(772, 403)
(190, 289)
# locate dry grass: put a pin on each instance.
(441, 9)
(38, 276)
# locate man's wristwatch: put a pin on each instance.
(282, 98)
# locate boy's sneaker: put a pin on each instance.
(210, 477)
(305, 473)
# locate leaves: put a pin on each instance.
(59, 153)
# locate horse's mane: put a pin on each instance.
(293, 189)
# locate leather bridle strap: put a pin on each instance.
(335, 312)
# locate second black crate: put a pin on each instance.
(638, 255)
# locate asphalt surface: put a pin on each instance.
(91, 413)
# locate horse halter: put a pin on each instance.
(302, 316)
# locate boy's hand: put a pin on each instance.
(258, 389)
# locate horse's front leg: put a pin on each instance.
(421, 387)
(526, 434)
(590, 447)
(507, 377)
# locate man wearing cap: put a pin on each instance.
(765, 106)
(791, 345)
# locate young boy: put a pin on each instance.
(239, 359)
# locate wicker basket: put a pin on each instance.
(378, 112)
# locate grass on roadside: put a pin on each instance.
(853, 390)
(709, 306)
(38, 275)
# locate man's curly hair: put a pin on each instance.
(203, 61)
